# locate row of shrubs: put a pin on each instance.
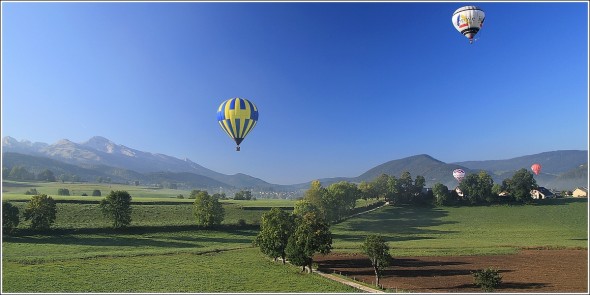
(63, 192)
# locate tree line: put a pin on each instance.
(338, 199)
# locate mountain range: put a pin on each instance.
(101, 158)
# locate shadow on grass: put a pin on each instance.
(98, 240)
(405, 221)
(230, 228)
(133, 236)
(127, 240)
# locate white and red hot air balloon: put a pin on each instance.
(459, 174)
(468, 20)
(536, 168)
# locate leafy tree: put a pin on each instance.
(32, 191)
(425, 198)
(180, 196)
(243, 195)
(194, 193)
(303, 207)
(497, 189)
(419, 184)
(46, 175)
(477, 187)
(63, 192)
(315, 194)
(442, 197)
(276, 228)
(220, 196)
(367, 190)
(385, 186)
(381, 186)
(405, 188)
(339, 200)
(10, 217)
(117, 206)
(521, 184)
(378, 251)
(41, 210)
(485, 185)
(207, 209)
(312, 234)
(96, 193)
(392, 190)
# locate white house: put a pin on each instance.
(542, 193)
(580, 192)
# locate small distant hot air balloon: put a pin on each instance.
(237, 117)
(459, 174)
(468, 20)
(536, 168)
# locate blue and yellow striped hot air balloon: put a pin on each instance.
(237, 117)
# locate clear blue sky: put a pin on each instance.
(341, 87)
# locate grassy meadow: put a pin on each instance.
(163, 251)
(476, 230)
(243, 270)
(150, 207)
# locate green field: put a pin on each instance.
(16, 190)
(75, 216)
(151, 207)
(163, 251)
(228, 271)
(477, 230)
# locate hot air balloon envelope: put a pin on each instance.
(536, 168)
(237, 117)
(459, 174)
(468, 20)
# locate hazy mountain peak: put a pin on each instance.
(9, 141)
(64, 142)
(98, 141)
(105, 145)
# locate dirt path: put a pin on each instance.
(347, 282)
(530, 271)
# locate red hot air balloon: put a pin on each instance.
(536, 168)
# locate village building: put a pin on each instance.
(580, 192)
(542, 193)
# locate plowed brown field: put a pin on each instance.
(534, 271)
